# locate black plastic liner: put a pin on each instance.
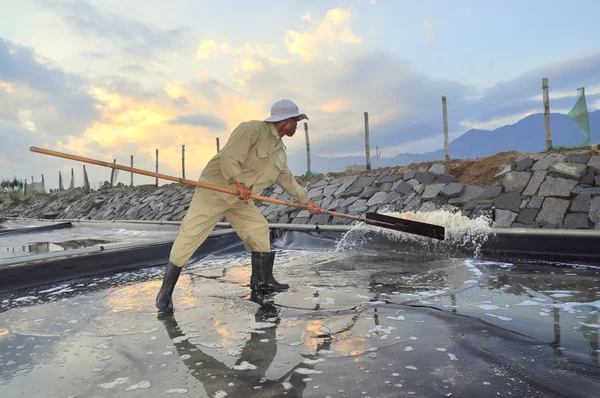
(34, 230)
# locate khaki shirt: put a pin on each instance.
(255, 156)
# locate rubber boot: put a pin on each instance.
(163, 300)
(262, 273)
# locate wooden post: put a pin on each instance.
(132, 172)
(367, 150)
(112, 174)
(156, 182)
(445, 127)
(547, 114)
(218, 147)
(43, 185)
(307, 148)
(183, 161)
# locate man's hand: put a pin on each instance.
(314, 208)
(243, 191)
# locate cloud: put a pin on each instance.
(333, 29)
(199, 119)
(132, 35)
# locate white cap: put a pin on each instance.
(284, 109)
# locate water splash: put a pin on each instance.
(462, 233)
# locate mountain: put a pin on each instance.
(527, 135)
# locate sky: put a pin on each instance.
(108, 79)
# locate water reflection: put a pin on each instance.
(247, 377)
(50, 247)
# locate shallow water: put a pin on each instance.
(362, 322)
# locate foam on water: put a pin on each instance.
(461, 232)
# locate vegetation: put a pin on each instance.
(11, 185)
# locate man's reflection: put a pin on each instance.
(255, 352)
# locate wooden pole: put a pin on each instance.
(307, 148)
(43, 185)
(132, 172)
(112, 174)
(548, 127)
(398, 224)
(367, 150)
(183, 161)
(218, 147)
(156, 182)
(445, 126)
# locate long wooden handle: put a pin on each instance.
(190, 182)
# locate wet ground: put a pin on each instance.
(357, 322)
(80, 235)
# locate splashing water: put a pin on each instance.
(462, 233)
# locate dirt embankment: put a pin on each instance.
(480, 171)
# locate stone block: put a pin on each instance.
(389, 178)
(364, 181)
(583, 190)
(535, 182)
(452, 190)
(360, 206)
(368, 192)
(508, 201)
(414, 204)
(557, 187)
(535, 202)
(581, 203)
(431, 191)
(403, 188)
(523, 164)
(300, 220)
(329, 190)
(491, 192)
(377, 199)
(320, 219)
(348, 201)
(552, 212)
(527, 216)
(419, 188)
(470, 193)
(577, 221)
(303, 214)
(424, 177)
(504, 218)
(392, 197)
(321, 183)
(567, 170)
(547, 161)
(446, 179)
(594, 163)
(409, 174)
(386, 187)
(352, 191)
(437, 169)
(596, 180)
(594, 214)
(579, 158)
(588, 177)
(427, 207)
(516, 181)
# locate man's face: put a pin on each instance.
(290, 126)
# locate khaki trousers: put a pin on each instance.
(206, 209)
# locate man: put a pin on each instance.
(253, 159)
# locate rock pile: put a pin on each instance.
(541, 191)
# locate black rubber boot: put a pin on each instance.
(163, 301)
(262, 273)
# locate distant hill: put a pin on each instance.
(527, 135)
